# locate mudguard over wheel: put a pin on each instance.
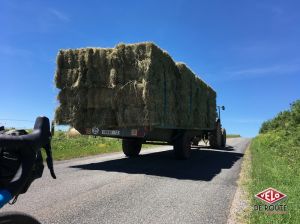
(131, 147)
(182, 147)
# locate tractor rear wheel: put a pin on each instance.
(215, 137)
(223, 143)
(182, 147)
(131, 147)
(195, 141)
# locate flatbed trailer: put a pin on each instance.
(181, 139)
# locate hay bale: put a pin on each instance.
(72, 132)
(128, 86)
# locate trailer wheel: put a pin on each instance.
(182, 147)
(215, 137)
(223, 137)
(131, 147)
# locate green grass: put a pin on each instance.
(275, 162)
(64, 147)
(233, 136)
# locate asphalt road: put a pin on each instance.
(154, 188)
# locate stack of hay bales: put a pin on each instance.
(198, 100)
(131, 85)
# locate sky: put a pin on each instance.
(248, 51)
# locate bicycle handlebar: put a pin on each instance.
(38, 138)
(28, 147)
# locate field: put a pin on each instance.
(65, 147)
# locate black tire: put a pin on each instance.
(131, 147)
(17, 218)
(223, 143)
(182, 147)
(195, 141)
(215, 137)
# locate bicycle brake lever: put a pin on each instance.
(49, 159)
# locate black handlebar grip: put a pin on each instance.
(50, 160)
(27, 161)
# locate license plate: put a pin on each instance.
(110, 132)
(134, 132)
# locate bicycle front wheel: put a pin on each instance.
(17, 218)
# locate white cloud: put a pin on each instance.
(273, 70)
(8, 50)
(229, 74)
(59, 15)
(275, 9)
(244, 120)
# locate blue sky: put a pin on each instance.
(248, 51)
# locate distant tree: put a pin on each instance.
(285, 120)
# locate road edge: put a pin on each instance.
(241, 206)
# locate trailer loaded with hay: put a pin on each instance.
(136, 92)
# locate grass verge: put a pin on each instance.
(232, 136)
(64, 147)
(275, 163)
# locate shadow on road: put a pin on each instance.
(203, 164)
